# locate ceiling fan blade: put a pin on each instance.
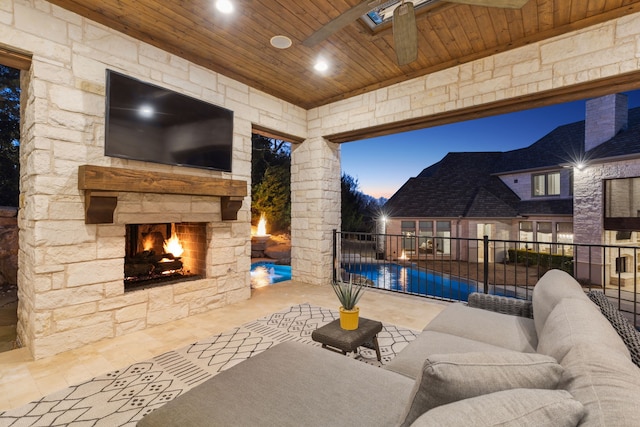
(405, 33)
(507, 4)
(341, 21)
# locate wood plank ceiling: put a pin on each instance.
(361, 60)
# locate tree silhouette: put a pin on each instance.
(9, 136)
(359, 210)
(271, 182)
(353, 206)
(271, 190)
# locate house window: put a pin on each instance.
(425, 237)
(546, 184)
(564, 236)
(525, 234)
(443, 237)
(408, 231)
(544, 234)
(622, 204)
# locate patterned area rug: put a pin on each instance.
(122, 397)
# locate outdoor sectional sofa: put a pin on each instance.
(566, 366)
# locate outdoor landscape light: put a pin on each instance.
(145, 111)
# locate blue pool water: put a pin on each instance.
(406, 279)
(267, 273)
(390, 276)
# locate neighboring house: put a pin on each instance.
(527, 194)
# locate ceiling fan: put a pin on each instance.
(405, 31)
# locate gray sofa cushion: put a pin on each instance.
(575, 321)
(550, 289)
(516, 333)
(447, 378)
(606, 382)
(291, 384)
(511, 408)
(411, 358)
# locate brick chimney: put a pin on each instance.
(605, 117)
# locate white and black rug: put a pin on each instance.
(122, 397)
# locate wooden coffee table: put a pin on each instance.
(333, 337)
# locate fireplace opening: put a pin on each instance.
(160, 254)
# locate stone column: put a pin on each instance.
(315, 209)
(587, 222)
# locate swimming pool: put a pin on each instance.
(268, 273)
(408, 279)
(391, 276)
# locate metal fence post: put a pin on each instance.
(335, 255)
(485, 263)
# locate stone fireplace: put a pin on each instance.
(80, 291)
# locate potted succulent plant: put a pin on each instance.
(348, 294)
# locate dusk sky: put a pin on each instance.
(381, 165)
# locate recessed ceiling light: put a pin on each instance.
(280, 42)
(321, 65)
(224, 6)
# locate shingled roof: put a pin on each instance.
(461, 184)
(467, 184)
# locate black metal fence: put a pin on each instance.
(450, 268)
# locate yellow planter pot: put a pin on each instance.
(349, 318)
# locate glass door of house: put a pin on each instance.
(408, 238)
(484, 230)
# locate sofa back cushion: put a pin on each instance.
(574, 321)
(447, 378)
(509, 408)
(605, 382)
(552, 287)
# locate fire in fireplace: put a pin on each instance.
(164, 253)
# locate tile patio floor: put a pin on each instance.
(22, 379)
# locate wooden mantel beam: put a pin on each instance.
(101, 186)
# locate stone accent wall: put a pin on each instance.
(8, 246)
(605, 117)
(70, 277)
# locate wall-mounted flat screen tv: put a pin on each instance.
(150, 123)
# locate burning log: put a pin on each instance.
(135, 270)
(167, 265)
(145, 257)
(148, 263)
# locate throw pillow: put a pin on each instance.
(447, 378)
(509, 408)
(627, 332)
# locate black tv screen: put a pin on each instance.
(150, 123)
